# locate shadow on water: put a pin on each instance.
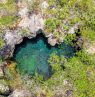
(32, 55)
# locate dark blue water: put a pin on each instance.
(32, 55)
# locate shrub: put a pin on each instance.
(69, 39)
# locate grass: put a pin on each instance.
(10, 9)
(7, 20)
(81, 75)
(10, 6)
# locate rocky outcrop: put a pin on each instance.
(29, 25)
(20, 93)
(91, 49)
(10, 38)
(52, 41)
(4, 88)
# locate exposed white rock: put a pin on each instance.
(23, 9)
(23, 12)
(20, 93)
(24, 23)
(4, 88)
(61, 39)
(44, 5)
(91, 49)
(33, 24)
(52, 41)
(71, 31)
(12, 38)
(36, 22)
(49, 35)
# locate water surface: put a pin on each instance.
(32, 55)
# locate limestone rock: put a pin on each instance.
(32, 24)
(20, 93)
(49, 35)
(44, 5)
(12, 37)
(72, 29)
(52, 41)
(23, 9)
(91, 49)
(4, 88)
(1, 72)
(28, 25)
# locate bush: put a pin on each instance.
(69, 39)
(81, 77)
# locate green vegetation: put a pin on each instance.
(6, 20)
(1, 43)
(9, 6)
(81, 77)
(69, 38)
(79, 74)
(79, 70)
(68, 13)
(7, 16)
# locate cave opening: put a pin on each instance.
(32, 54)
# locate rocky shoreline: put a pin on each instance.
(28, 25)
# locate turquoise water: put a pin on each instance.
(31, 55)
